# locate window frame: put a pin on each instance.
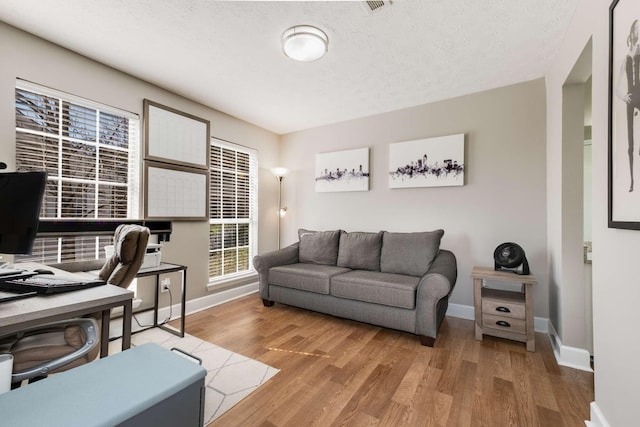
(230, 278)
(132, 185)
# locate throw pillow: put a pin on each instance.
(360, 251)
(319, 247)
(302, 231)
(409, 253)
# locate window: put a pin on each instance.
(233, 206)
(90, 153)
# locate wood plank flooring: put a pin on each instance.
(336, 372)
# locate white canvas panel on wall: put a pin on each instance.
(342, 171)
(430, 162)
(175, 193)
(175, 137)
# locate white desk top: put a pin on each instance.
(14, 315)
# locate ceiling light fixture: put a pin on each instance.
(305, 43)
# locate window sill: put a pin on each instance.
(232, 282)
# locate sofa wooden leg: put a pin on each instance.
(427, 341)
(267, 303)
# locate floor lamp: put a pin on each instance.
(280, 173)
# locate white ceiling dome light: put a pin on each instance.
(304, 43)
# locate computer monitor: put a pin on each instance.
(21, 196)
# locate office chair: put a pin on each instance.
(49, 348)
(59, 346)
(130, 245)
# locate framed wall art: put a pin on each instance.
(175, 137)
(175, 192)
(431, 162)
(624, 110)
(342, 171)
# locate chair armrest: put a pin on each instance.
(90, 329)
(262, 264)
(436, 284)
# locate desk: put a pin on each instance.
(25, 313)
(164, 268)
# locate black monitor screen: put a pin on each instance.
(20, 200)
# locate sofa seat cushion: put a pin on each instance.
(306, 277)
(395, 290)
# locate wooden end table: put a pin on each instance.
(501, 313)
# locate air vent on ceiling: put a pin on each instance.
(374, 6)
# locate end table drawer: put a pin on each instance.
(503, 308)
(504, 323)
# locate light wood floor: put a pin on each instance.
(335, 372)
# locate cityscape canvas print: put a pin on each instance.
(431, 162)
(342, 171)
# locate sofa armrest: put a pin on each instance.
(262, 264)
(435, 285)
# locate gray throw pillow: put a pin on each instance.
(409, 253)
(320, 247)
(360, 251)
(302, 231)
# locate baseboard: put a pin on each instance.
(571, 357)
(597, 417)
(540, 324)
(461, 311)
(145, 319)
(199, 304)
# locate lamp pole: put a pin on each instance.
(279, 206)
(279, 173)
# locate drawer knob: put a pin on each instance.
(503, 323)
(502, 309)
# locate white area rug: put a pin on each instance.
(230, 376)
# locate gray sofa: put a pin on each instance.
(396, 280)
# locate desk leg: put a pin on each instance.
(104, 333)
(126, 324)
(156, 301)
(184, 301)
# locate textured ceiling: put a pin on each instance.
(227, 55)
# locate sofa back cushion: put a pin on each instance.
(319, 247)
(360, 251)
(409, 253)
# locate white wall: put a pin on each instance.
(587, 192)
(503, 200)
(41, 62)
(616, 289)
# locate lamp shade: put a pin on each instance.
(279, 171)
(304, 43)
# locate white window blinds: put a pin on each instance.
(91, 155)
(233, 206)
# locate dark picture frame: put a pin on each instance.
(175, 137)
(175, 192)
(624, 115)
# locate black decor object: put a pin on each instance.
(510, 256)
